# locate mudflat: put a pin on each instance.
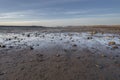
(64, 53)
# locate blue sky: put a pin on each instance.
(59, 12)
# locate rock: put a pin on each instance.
(15, 37)
(31, 48)
(99, 66)
(22, 68)
(52, 37)
(23, 34)
(39, 55)
(73, 41)
(103, 55)
(117, 55)
(78, 57)
(112, 57)
(9, 39)
(39, 59)
(65, 50)
(58, 66)
(74, 45)
(10, 46)
(73, 50)
(57, 55)
(89, 37)
(2, 73)
(111, 43)
(115, 61)
(93, 32)
(2, 46)
(43, 36)
(115, 47)
(28, 35)
(102, 32)
(37, 44)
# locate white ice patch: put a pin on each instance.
(98, 42)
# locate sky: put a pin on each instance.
(59, 12)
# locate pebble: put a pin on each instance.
(89, 37)
(65, 50)
(78, 57)
(22, 68)
(28, 35)
(74, 45)
(2, 46)
(117, 56)
(99, 66)
(31, 48)
(115, 47)
(39, 55)
(115, 61)
(111, 43)
(10, 46)
(57, 55)
(2, 73)
(103, 55)
(112, 57)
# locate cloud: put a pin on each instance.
(21, 14)
(36, 14)
(67, 22)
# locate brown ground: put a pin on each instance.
(59, 64)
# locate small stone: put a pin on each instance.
(43, 36)
(115, 61)
(78, 57)
(74, 45)
(31, 48)
(57, 55)
(102, 32)
(89, 37)
(40, 60)
(37, 44)
(22, 68)
(15, 37)
(10, 46)
(23, 34)
(28, 35)
(52, 37)
(58, 66)
(111, 43)
(2, 46)
(9, 39)
(117, 55)
(115, 47)
(39, 55)
(1, 73)
(93, 32)
(99, 66)
(103, 55)
(112, 57)
(73, 41)
(65, 50)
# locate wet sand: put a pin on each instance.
(60, 54)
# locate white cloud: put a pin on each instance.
(45, 14)
(67, 22)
